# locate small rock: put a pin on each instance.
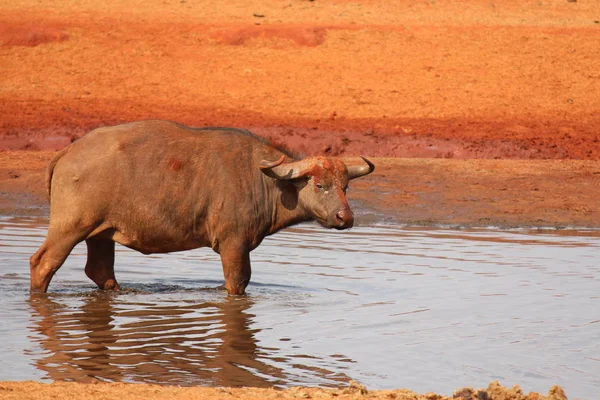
(357, 388)
(556, 393)
(482, 395)
(463, 393)
(299, 393)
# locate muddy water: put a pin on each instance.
(431, 310)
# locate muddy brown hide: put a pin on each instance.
(157, 187)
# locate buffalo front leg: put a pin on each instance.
(236, 268)
(100, 266)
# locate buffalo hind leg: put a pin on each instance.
(100, 266)
(48, 259)
(236, 268)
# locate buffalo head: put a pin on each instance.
(321, 183)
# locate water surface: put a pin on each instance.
(390, 307)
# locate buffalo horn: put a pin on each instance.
(356, 171)
(278, 170)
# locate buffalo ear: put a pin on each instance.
(279, 170)
(356, 171)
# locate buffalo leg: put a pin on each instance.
(48, 259)
(101, 262)
(236, 268)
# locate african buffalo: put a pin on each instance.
(157, 187)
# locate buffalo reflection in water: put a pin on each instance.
(181, 343)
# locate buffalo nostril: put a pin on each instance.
(344, 218)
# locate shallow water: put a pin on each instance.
(390, 307)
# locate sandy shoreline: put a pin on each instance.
(123, 391)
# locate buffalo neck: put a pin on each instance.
(285, 207)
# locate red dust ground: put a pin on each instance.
(456, 79)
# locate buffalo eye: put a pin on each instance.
(319, 186)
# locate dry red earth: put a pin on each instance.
(453, 79)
